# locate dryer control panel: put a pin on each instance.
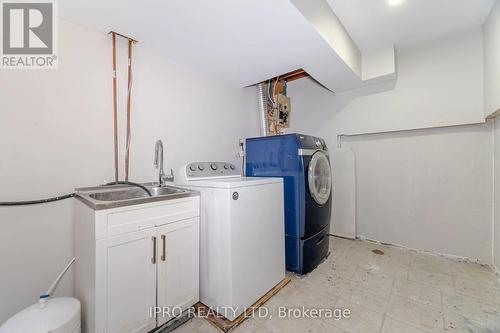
(204, 170)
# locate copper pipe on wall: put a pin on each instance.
(129, 92)
(131, 41)
(115, 107)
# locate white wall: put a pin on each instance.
(440, 83)
(427, 189)
(492, 107)
(492, 61)
(379, 65)
(496, 225)
(56, 134)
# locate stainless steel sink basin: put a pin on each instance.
(119, 195)
(105, 197)
(167, 190)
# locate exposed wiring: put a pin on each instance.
(270, 93)
(276, 111)
(274, 89)
(273, 114)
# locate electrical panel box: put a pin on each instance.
(284, 109)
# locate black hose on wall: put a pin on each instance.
(67, 196)
(35, 202)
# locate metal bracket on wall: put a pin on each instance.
(340, 136)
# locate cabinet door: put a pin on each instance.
(178, 269)
(129, 270)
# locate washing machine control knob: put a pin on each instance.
(201, 167)
(226, 166)
(232, 167)
(213, 166)
(192, 168)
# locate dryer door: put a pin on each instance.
(320, 178)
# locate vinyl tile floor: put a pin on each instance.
(394, 291)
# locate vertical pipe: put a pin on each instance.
(493, 192)
(129, 92)
(115, 107)
(262, 110)
(242, 155)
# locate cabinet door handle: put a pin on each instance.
(153, 259)
(163, 239)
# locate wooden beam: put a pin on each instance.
(297, 76)
(292, 76)
(224, 324)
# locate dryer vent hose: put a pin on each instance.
(264, 130)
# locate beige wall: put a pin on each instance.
(56, 134)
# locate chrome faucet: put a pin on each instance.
(162, 178)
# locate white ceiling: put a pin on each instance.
(249, 41)
(242, 41)
(374, 24)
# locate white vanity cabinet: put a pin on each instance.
(132, 259)
(175, 268)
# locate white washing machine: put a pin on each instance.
(242, 249)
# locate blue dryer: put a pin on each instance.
(303, 163)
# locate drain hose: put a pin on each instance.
(35, 202)
(131, 184)
(65, 196)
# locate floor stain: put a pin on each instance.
(379, 252)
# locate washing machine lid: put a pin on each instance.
(233, 182)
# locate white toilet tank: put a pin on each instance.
(59, 315)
